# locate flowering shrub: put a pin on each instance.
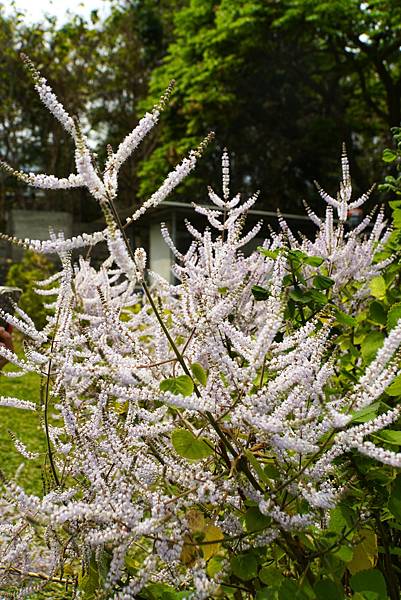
(203, 438)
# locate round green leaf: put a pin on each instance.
(371, 580)
(377, 313)
(189, 446)
(366, 414)
(328, 590)
(378, 287)
(338, 522)
(289, 590)
(271, 576)
(389, 156)
(214, 565)
(318, 297)
(244, 566)
(178, 385)
(255, 520)
(371, 344)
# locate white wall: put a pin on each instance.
(160, 256)
(35, 225)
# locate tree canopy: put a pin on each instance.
(282, 84)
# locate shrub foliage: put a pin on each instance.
(236, 435)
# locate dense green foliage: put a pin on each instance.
(283, 84)
(24, 275)
(392, 185)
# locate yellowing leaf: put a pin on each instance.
(378, 287)
(214, 565)
(214, 536)
(365, 553)
(195, 519)
(189, 551)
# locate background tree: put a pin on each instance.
(96, 68)
(283, 84)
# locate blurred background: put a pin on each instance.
(281, 82)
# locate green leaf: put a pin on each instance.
(344, 319)
(328, 590)
(182, 384)
(377, 313)
(395, 388)
(297, 255)
(259, 292)
(314, 261)
(397, 218)
(318, 297)
(300, 296)
(380, 475)
(255, 520)
(214, 565)
(394, 503)
(378, 287)
(371, 344)
(369, 581)
(344, 553)
(189, 446)
(271, 471)
(244, 566)
(366, 414)
(258, 468)
(322, 282)
(390, 436)
(365, 553)
(96, 572)
(388, 155)
(160, 591)
(393, 316)
(289, 590)
(268, 253)
(199, 372)
(337, 522)
(271, 576)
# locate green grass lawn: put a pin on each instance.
(25, 424)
